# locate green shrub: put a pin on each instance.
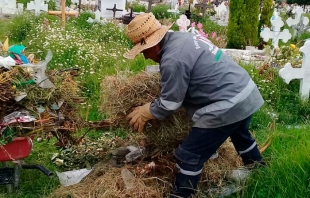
(267, 12)
(243, 23)
(160, 11)
(136, 7)
(51, 5)
(21, 26)
(81, 21)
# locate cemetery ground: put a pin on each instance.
(96, 50)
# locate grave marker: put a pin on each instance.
(107, 5)
(289, 73)
(276, 33)
(1, 5)
(114, 9)
(37, 6)
(97, 18)
(150, 4)
(299, 21)
(204, 6)
(63, 13)
(183, 23)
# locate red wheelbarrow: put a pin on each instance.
(15, 152)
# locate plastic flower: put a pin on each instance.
(213, 34)
(199, 25)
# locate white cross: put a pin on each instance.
(183, 23)
(289, 73)
(97, 18)
(276, 34)
(298, 22)
(37, 6)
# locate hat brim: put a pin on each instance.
(150, 41)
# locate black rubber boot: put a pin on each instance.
(184, 186)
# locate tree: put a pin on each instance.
(267, 11)
(243, 23)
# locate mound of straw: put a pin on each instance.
(106, 181)
(123, 92)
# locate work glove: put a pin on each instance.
(139, 117)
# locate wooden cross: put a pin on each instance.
(63, 13)
(204, 6)
(289, 73)
(114, 9)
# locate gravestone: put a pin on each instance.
(299, 21)
(276, 33)
(174, 8)
(220, 10)
(37, 6)
(20, 8)
(204, 6)
(9, 7)
(1, 5)
(289, 73)
(183, 23)
(108, 4)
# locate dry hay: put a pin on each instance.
(150, 179)
(124, 91)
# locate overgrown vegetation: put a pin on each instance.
(243, 24)
(96, 50)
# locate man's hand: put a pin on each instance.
(139, 117)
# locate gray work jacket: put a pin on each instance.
(214, 90)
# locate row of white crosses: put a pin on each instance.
(299, 21)
(10, 7)
(37, 6)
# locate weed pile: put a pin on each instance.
(55, 109)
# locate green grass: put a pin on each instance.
(33, 183)
(288, 170)
(4, 23)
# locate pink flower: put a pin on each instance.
(199, 25)
(193, 24)
(76, 15)
(213, 34)
(218, 38)
(206, 35)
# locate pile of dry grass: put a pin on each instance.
(124, 91)
(154, 181)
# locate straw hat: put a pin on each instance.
(145, 31)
